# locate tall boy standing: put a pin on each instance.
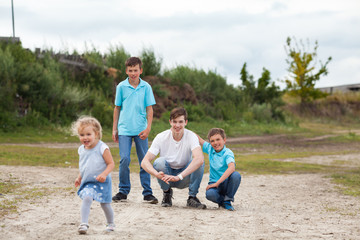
(224, 180)
(133, 115)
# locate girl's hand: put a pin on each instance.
(101, 178)
(77, 181)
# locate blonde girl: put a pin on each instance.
(95, 165)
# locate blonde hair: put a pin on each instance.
(85, 121)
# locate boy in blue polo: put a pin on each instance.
(133, 115)
(224, 180)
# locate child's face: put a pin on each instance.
(134, 72)
(217, 142)
(88, 137)
(178, 124)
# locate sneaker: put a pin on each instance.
(167, 202)
(150, 199)
(195, 203)
(110, 227)
(83, 228)
(227, 205)
(119, 197)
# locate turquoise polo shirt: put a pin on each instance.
(218, 161)
(133, 103)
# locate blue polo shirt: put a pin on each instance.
(133, 103)
(218, 161)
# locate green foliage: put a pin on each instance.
(263, 96)
(116, 59)
(151, 66)
(302, 64)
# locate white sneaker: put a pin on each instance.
(110, 227)
(83, 228)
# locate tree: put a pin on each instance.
(302, 64)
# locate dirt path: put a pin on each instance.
(302, 206)
(267, 207)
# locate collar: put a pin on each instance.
(221, 153)
(141, 83)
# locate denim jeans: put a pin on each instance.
(125, 143)
(226, 190)
(192, 181)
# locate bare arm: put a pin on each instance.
(201, 141)
(148, 167)
(227, 173)
(115, 135)
(109, 166)
(149, 115)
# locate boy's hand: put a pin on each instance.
(214, 185)
(144, 134)
(115, 136)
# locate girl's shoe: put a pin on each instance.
(110, 227)
(83, 228)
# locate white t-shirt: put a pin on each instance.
(177, 154)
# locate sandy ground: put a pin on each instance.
(306, 206)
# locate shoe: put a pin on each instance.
(119, 197)
(150, 199)
(110, 227)
(167, 202)
(195, 203)
(83, 228)
(227, 205)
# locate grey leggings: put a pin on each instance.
(85, 210)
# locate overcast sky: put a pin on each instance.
(207, 34)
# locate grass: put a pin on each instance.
(13, 193)
(349, 182)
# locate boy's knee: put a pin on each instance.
(125, 160)
(236, 176)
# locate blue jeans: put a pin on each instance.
(125, 143)
(192, 181)
(226, 190)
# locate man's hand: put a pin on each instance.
(170, 178)
(144, 134)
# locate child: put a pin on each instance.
(95, 165)
(224, 181)
(133, 115)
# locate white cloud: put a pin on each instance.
(206, 34)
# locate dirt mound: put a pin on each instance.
(168, 96)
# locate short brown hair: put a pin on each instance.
(215, 131)
(133, 61)
(177, 112)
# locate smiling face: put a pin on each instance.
(217, 142)
(88, 137)
(178, 125)
(134, 72)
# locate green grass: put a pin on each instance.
(349, 180)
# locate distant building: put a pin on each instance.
(341, 88)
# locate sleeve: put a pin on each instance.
(230, 158)
(155, 146)
(206, 147)
(103, 147)
(194, 140)
(149, 96)
(118, 96)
